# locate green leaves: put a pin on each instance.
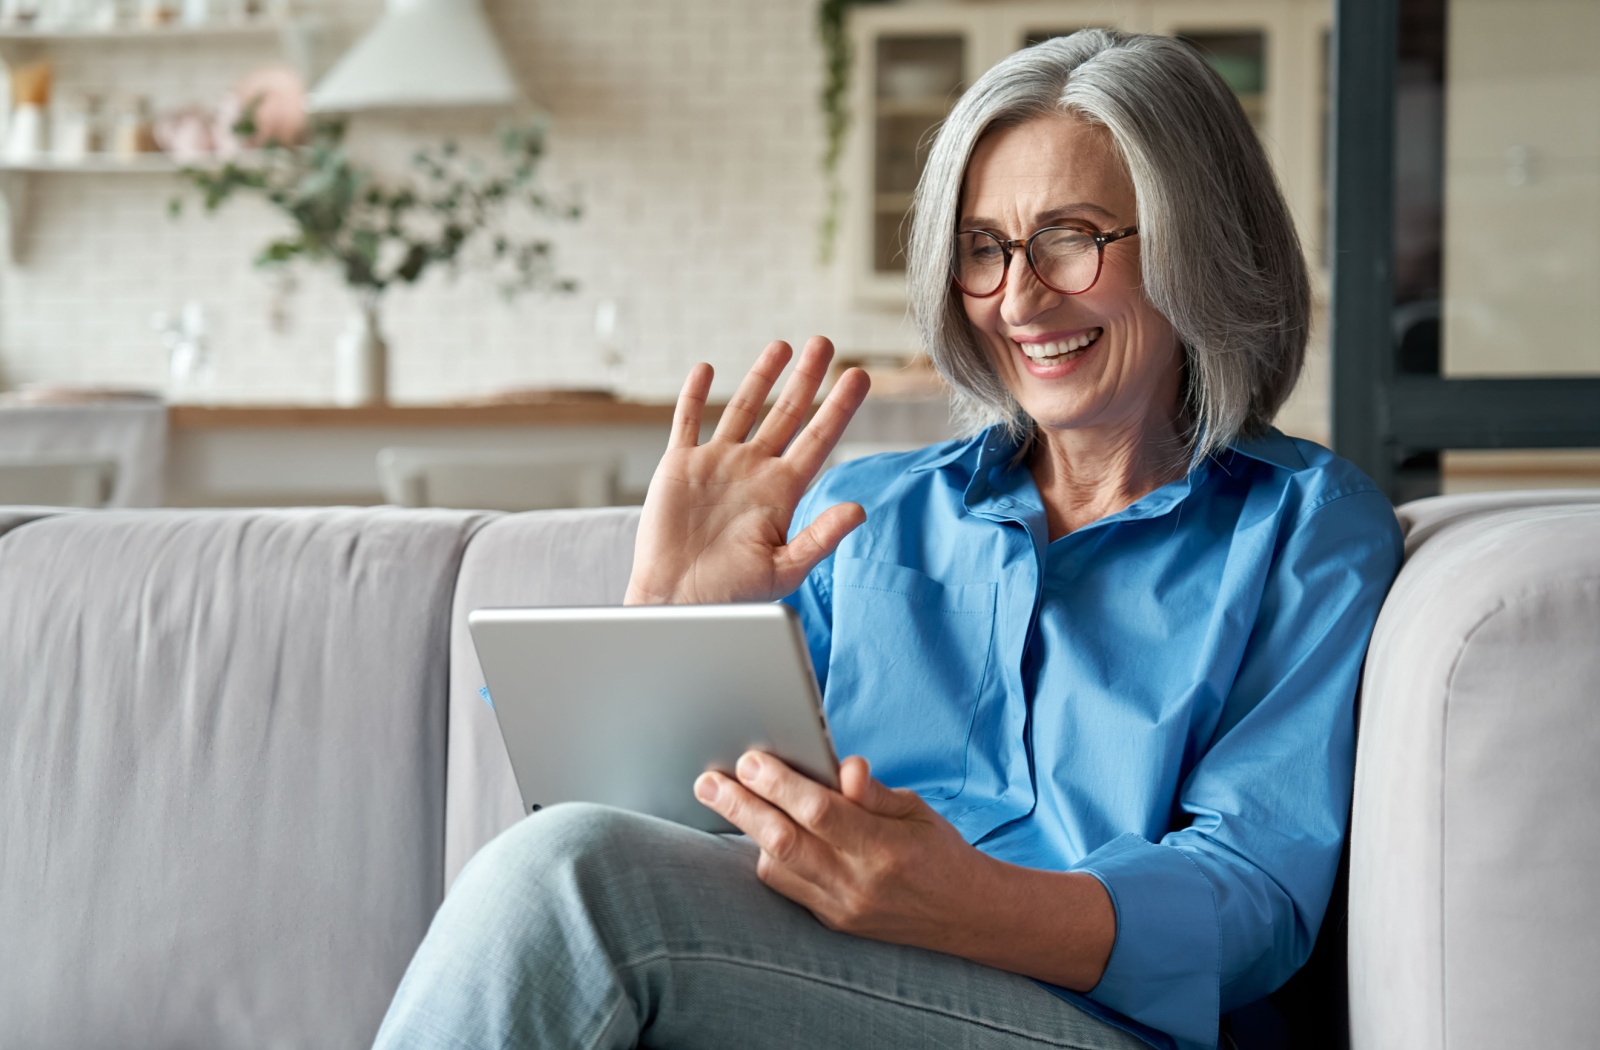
(838, 55)
(378, 232)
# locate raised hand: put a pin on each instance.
(716, 519)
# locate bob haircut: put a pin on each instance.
(1220, 257)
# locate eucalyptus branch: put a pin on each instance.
(380, 233)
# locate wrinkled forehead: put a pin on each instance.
(1047, 167)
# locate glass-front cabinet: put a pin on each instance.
(914, 60)
(915, 77)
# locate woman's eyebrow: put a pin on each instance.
(1077, 209)
(1065, 211)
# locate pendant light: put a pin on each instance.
(422, 53)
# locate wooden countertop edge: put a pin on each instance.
(553, 413)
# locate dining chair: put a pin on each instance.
(495, 479)
(56, 482)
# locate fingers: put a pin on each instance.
(767, 825)
(748, 400)
(789, 413)
(815, 542)
(855, 778)
(815, 808)
(796, 887)
(691, 406)
(857, 784)
(816, 441)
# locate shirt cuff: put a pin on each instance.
(1165, 966)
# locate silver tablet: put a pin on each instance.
(626, 706)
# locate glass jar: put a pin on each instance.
(134, 131)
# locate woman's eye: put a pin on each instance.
(1059, 243)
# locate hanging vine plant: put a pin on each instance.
(838, 57)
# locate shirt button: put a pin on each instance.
(1006, 504)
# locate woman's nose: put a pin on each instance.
(1024, 296)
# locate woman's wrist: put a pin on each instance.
(1054, 926)
(636, 594)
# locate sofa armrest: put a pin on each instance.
(1475, 841)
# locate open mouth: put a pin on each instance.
(1063, 350)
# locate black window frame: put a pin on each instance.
(1394, 425)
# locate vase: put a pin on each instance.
(361, 359)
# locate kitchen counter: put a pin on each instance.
(301, 455)
(551, 413)
(296, 455)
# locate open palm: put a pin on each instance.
(716, 520)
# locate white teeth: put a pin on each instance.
(1046, 351)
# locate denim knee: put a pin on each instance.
(562, 843)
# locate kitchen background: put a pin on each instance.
(688, 129)
(690, 132)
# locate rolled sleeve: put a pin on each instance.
(1166, 960)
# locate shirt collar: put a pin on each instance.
(957, 450)
(1011, 488)
(1270, 447)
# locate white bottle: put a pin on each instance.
(25, 134)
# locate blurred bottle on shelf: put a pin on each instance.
(30, 94)
(134, 133)
(77, 128)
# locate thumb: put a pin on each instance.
(856, 783)
(817, 541)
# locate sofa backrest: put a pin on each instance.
(1475, 840)
(222, 783)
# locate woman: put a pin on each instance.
(1101, 657)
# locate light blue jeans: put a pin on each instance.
(588, 927)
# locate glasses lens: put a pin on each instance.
(980, 262)
(1067, 260)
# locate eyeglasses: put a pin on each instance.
(1065, 259)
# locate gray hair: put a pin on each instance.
(1221, 259)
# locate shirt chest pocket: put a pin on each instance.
(909, 659)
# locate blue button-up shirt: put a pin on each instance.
(1163, 698)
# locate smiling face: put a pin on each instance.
(1101, 365)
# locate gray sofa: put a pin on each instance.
(244, 755)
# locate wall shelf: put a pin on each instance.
(298, 38)
(150, 164)
(210, 31)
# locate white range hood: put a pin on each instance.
(421, 54)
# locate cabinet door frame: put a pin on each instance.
(868, 287)
(1011, 21)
